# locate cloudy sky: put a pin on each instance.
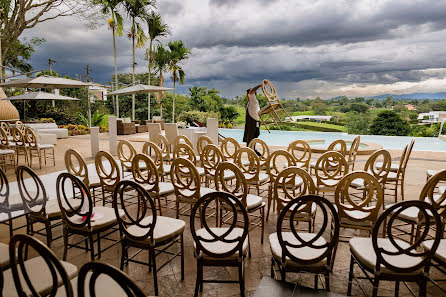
(307, 48)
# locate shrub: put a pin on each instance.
(199, 116)
(389, 123)
(358, 123)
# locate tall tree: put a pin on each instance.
(161, 58)
(157, 29)
(178, 53)
(137, 11)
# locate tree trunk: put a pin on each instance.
(133, 68)
(173, 101)
(116, 66)
(150, 67)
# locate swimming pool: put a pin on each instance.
(283, 138)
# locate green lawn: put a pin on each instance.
(324, 125)
(240, 120)
(298, 113)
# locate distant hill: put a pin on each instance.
(430, 96)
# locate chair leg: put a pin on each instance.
(423, 284)
(65, 243)
(99, 246)
(397, 288)
(90, 239)
(269, 202)
(199, 278)
(350, 276)
(316, 281)
(402, 189)
(375, 287)
(241, 277)
(272, 268)
(182, 257)
(123, 253)
(49, 235)
(262, 215)
(327, 281)
(155, 279)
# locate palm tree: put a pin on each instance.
(161, 58)
(137, 11)
(157, 30)
(178, 53)
(116, 24)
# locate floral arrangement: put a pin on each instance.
(182, 125)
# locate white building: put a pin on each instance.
(432, 117)
(316, 118)
(98, 92)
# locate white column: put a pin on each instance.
(212, 127)
(94, 134)
(112, 135)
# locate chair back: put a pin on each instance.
(182, 139)
(99, 270)
(185, 179)
(32, 191)
(134, 219)
(275, 162)
(202, 142)
(330, 167)
(18, 137)
(301, 151)
(183, 150)
(126, 152)
(366, 201)
(415, 257)
(107, 169)
(163, 144)
(405, 158)
(429, 193)
(153, 129)
(171, 130)
(76, 213)
(237, 185)
(30, 138)
(251, 170)
(24, 280)
(270, 92)
(210, 158)
(75, 164)
(264, 149)
(154, 152)
(338, 146)
(4, 192)
(291, 183)
(230, 240)
(5, 126)
(4, 141)
(324, 248)
(147, 174)
(229, 147)
(354, 147)
(381, 172)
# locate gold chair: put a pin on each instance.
(154, 152)
(6, 139)
(211, 157)
(239, 188)
(395, 179)
(383, 158)
(145, 172)
(10, 201)
(353, 151)
(162, 142)
(201, 143)
(264, 151)
(183, 150)
(35, 149)
(146, 230)
(251, 168)
(301, 152)
(229, 147)
(20, 145)
(359, 209)
(183, 139)
(19, 125)
(330, 168)
(273, 168)
(126, 152)
(109, 174)
(7, 159)
(336, 146)
(75, 164)
(6, 127)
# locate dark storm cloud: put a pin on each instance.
(170, 8)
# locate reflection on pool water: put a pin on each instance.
(283, 138)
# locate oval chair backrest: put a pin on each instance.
(182, 139)
(289, 241)
(264, 149)
(354, 147)
(79, 168)
(107, 169)
(19, 125)
(4, 192)
(368, 202)
(51, 267)
(429, 191)
(126, 152)
(236, 185)
(154, 152)
(162, 142)
(379, 172)
(30, 138)
(331, 166)
(276, 161)
(269, 91)
(229, 147)
(210, 158)
(406, 158)
(251, 170)
(415, 257)
(183, 150)
(291, 183)
(75, 202)
(338, 146)
(301, 151)
(18, 137)
(147, 174)
(32, 191)
(230, 240)
(4, 141)
(92, 271)
(143, 220)
(6, 127)
(185, 179)
(202, 142)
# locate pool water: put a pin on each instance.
(283, 138)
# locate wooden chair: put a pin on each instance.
(20, 145)
(37, 207)
(164, 145)
(312, 252)
(249, 163)
(211, 157)
(229, 147)
(7, 151)
(291, 183)
(75, 164)
(359, 209)
(43, 275)
(81, 218)
(301, 152)
(183, 150)
(264, 151)
(19, 125)
(336, 146)
(381, 172)
(187, 183)
(201, 143)
(146, 230)
(6, 127)
(272, 111)
(352, 152)
(38, 150)
(9, 202)
(239, 188)
(108, 173)
(126, 152)
(391, 259)
(106, 279)
(273, 168)
(154, 152)
(330, 168)
(182, 139)
(225, 246)
(145, 172)
(6, 139)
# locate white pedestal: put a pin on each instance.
(94, 135)
(112, 136)
(212, 130)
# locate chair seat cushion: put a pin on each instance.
(52, 208)
(391, 176)
(104, 216)
(166, 169)
(393, 167)
(94, 180)
(200, 171)
(166, 188)
(304, 253)
(253, 201)
(440, 254)
(219, 247)
(4, 255)
(263, 178)
(362, 249)
(6, 152)
(45, 146)
(411, 214)
(165, 228)
(431, 172)
(39, 274)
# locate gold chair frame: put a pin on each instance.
(271, 111)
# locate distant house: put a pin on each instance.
(432, 117)
(98, 92)
(410, 107)
(315, 118)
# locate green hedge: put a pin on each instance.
(325, 122)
